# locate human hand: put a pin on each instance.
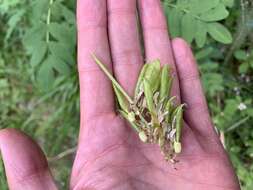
(109, 154)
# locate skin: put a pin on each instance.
(110, 155)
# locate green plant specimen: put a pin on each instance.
(151, 112)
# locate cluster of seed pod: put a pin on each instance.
(152, 112)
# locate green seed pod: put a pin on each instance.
(131, 117)
(143, 136)
(179, 122)
(149, 96)
(152, 74)
(140, 80)
(177, 147)
(169, 108)
(175, 112)
(161, 141)
(156, 132)
(166, 83)
(170, 86)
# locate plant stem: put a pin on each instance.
(62, 154)
(242, 32)
(49, 19)
(109, 75)
(237, 124)
(186, 11)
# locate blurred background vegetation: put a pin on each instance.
(39, 83)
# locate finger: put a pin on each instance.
(156, 38)
(196, 114)
(96, 93)
(124, 42)
(25, 164)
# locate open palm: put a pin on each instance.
(110, 155)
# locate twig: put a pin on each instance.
(186, 11)
(241, 34)
(62, 155)
(237, 124)
(49, 19)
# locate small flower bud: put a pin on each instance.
(131, 116)
(143, 136)
(177, 147)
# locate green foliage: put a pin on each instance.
(213, 81)
(40, 98)
(246, 59)
(6, 5)
(3, 178)
(219, 33)
(51, 41)
(194, 19)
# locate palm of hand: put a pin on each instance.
(129, 164)
(109, 154)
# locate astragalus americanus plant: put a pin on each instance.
(152, 113)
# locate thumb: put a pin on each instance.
(25, 164)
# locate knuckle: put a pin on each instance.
(127, 56)
(121, 11)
